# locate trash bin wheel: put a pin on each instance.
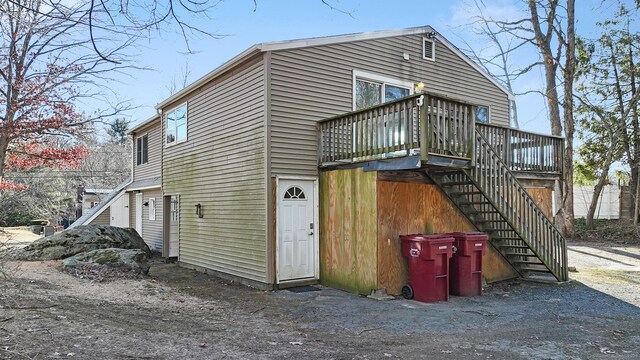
(407, 292)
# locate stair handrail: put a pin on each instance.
(499, 200)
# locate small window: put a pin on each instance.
(176, 125)
(428, 49)
(371, 90)
(152, 208)
(142, 150)
(294, 193)
(482, 114)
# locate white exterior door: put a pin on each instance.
(174, 226)
(297, 250)
(119, 210)
(139, 213)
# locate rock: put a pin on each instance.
(81, 239)
(124, 259)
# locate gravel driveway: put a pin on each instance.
(180, 314)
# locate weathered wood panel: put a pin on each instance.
(543, 197)
(409, 208)
(348, 230)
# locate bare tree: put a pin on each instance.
(549, 27)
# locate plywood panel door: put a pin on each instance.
(297, 244)
(120, 211)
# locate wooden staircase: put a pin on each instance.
(489, 195)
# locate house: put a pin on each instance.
(92, 197)
(112, 209)
(138, 202)
(303, 161)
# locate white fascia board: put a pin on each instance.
(255, 49)
(144, 188)
(328, 40)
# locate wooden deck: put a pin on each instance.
(438, 129)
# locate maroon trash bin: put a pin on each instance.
(466, 263)
(428, 262)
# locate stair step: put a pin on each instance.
(453, 183)
(491, 221)
(521, 254)
(528, 262)
(514, 246)
(466, 193)
(545, 270)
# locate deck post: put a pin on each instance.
(424, 129)
(472, 136)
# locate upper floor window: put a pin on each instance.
(482, 114)
(142, 150)
(371, 90)
(176, 124)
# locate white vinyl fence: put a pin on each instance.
(608, 204)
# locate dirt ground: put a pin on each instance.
(176, 313)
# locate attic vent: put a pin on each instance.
(428, 49)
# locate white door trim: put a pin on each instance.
(316, 221)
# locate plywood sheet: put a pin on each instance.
(348, 230)
(543, 197)
(408, 208)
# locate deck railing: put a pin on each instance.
(516, 206)
(395, 129)
(525, 151)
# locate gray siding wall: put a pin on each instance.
(222, 166)
(104, 218)
(313, 83)
(151, 229)
(153, 167)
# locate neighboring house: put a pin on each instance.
(92, 197)
(264, 189)
(113, 209)
(304, 160)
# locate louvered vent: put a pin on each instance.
(428, 49)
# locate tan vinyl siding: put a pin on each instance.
(153, 167)
(222, 167)
(313, 83)
(104, 218)
(151, 230)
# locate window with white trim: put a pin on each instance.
(152, 208)
(176, 125)
(371, 90)
(428, 49)
(482, 114)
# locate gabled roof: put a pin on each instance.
(327, 40)
(102, 205)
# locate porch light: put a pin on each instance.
(420, 87)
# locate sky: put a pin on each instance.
(244, 25)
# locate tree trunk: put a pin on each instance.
(569, 124)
